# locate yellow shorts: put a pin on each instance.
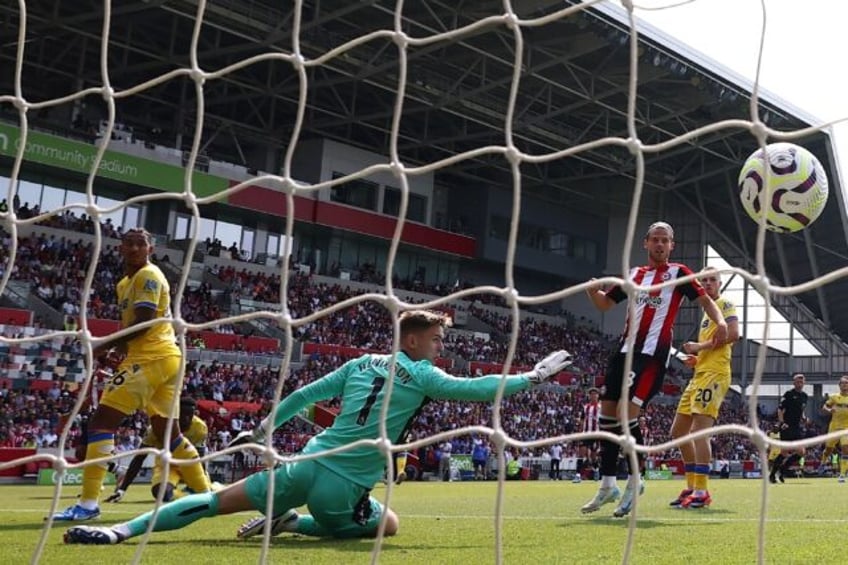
(150, 386)
(173, 473)
(704, 394)
(842, 441)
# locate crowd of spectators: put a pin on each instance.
(367, 324)
(31, 418)
(55, 267)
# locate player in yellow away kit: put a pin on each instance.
(147, 379)
(837, 406)
(773, 451)
(195, 431)
(700, 402)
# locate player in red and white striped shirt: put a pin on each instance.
(651, 323)
(588, 447)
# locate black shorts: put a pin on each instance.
(791, 433)
(646, 378)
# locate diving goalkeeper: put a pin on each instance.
(336, 488)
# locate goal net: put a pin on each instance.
(514, 155)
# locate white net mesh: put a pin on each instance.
(288, 187)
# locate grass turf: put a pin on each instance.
(453, 523)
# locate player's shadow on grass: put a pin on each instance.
(33, 526)
(364, 545)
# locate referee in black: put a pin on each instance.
(790, 415)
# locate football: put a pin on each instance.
(786, 183)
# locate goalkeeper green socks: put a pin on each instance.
(173, 516)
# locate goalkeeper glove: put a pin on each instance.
(245, 437)
(116, 496)
(550, 366)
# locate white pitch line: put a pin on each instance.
(686, 516)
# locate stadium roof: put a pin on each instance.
(573, 89)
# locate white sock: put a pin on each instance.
(88, 504)
(608, 481)
(122, 530)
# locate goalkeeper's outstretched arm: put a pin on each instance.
(328, 386)
(442, 385)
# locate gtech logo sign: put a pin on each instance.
(71, 477)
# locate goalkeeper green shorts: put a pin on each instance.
(340, 506)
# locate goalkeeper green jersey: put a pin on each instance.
(362, 385)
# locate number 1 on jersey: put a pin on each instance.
(369, 402)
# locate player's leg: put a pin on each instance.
(193, 483)
(338, 508)
(635, 483)
(165, 373)
(169, 482)
(341, 525)
(829, 448)
(681, 426)
(400, 462)
(608, 490)
(647, 381)
(710, 390)
(700, 495)
(843, 461)
(608, 422)
(172, 516)
(291, 485)
(100, 442)
(342, 509)
(582, 460)
(445, 468)
(129, 389)
(775, 465)
(122, 396)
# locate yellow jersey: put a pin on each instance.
(716, 360)
(148, 288)
(196, 434)
(839, 416)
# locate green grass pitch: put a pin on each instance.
(453, 523)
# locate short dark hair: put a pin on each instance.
(188, 402)
(138, 231)
(594, 389)
(413, 321)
